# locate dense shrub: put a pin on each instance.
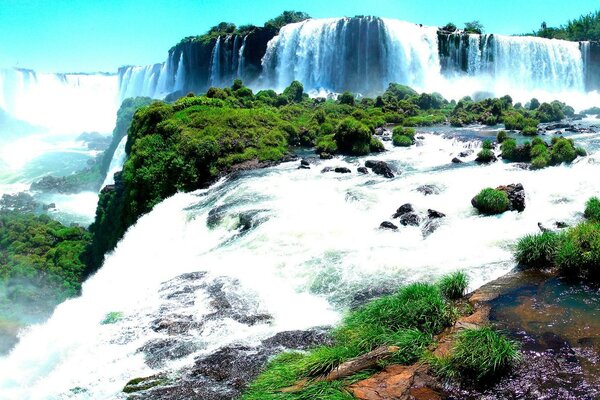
(485, 156)
(492, 201)
(346, 98)
(352, 137)
(403, 136)
(537, 251)
(592, 209)
(579, 251)
(502, 136)
(563, 150)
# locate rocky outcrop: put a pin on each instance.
(380, 168)
(388, 225)
(516, 196)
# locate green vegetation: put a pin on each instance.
(407, 319)
(586, 27)
(42, 264)
(501, 137)
(592, 209)
(454, 285)
(403, 137)
(539, 154)
(112, 318)
(573, 252)
(474, 27)
(491, 201)
(478, 354)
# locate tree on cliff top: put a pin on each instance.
(474, 27)
(287, 17)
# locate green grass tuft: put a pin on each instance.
(492, 201)
(592, 209)
(537, 251)
(454, 285)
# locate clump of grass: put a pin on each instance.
(112, 318)
(454, 285)
(592, 209)
(579, 252)
(403, 137)
(502, 136)
(485, 156)
(491, 201)
(537, 251)
(407, 319)
(478, 354)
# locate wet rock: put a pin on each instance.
(326, 169)
(433, 214)
(298, 340)
(465, 153)
(516, 195)
(403, 209)
(386, 139)
(304, 167)
(158, 351)
(457, 160)
(410, 219)
(175, 324)
(561, 225)
(380, 168)
(141, 384)
(342, 170)
(428, 190)
(542, 228)
(431, 226)
(304, 162)
(325, 156)
(51, 184)
(362, 170)
(388, 225)
(50, 206)
(379, 131)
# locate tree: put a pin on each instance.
(474, 27)
(287, 17)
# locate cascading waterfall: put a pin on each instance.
(240, 59)
(301, 273)
(215, 64)
(116, 164)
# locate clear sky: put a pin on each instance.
(101, 35)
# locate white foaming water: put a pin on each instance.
(116, 164)
(314, 244)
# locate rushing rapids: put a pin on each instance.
(283, 249)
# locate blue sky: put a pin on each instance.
(101, 35)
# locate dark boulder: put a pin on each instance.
(304, 162)
(342, 170)
(457, 160)
(388, 225)
(326, 169)
(362, 170)
(403, 209)
(516, 195)
(465, 153)
(411, 219)
(325, 156)
(380, 168)
(433, 214)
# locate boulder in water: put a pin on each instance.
(457, 160)
(403, 209)
(342, 170)
(410, 219)
(428, 190)
(388, 225)
(380, 168)
(516, 196)
(325, 156)
(362, 170)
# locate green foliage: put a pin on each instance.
(563, 151)
(550, 112)
(586, 27)
(346, 98)
(454, 285)
(112, 318)
(294, 92)
(473, 27)
(352, 137)
(592, 209)
(479, 354)
(537, 251)
(376, 145)
(485, 156)
(487, 144)
(530, 131)
(403, 137)
(43, 263)
(287, 17)
(517, 121)
(579, 251)
(492, 201)
(502, 136)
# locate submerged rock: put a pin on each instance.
(380, 168)
(428, 190)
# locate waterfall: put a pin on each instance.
(302, 273)
(215, 64)
(240, 65)
(61, 103)
(116, 164)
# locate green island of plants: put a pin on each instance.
(574, 252)
(491, 201)
(539, 153)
